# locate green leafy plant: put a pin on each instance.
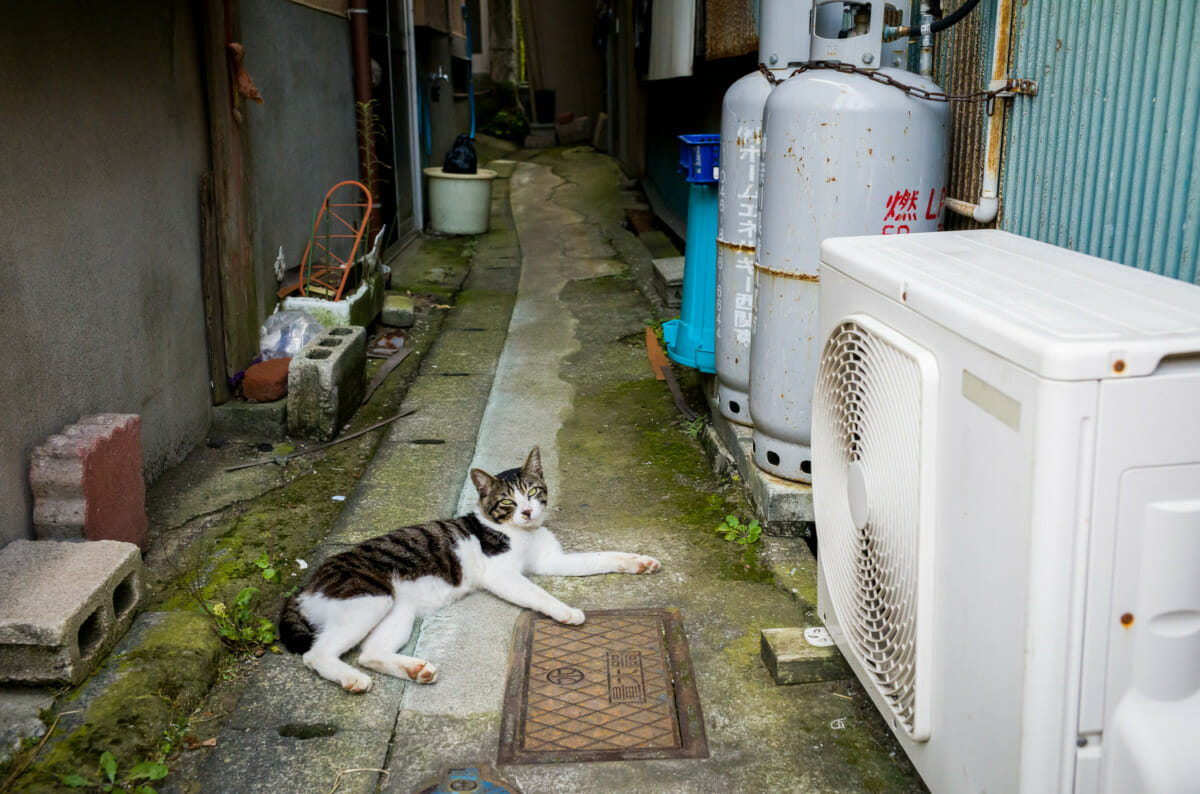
(268, 570)
(695, 427)
(111, 781)
(507, 125)
(238, 626)
(734, 531)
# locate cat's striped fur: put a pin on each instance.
(373, 593)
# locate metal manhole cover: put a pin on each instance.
(620, 686)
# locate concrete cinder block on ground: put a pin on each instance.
(87, 481)
(250, 421)
(63, 605)
(792, 658)
(397, 311)
(668, 280)
(326, 382)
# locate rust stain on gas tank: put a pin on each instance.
(736, 246)
(1127, 619)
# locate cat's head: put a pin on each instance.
(516, 497)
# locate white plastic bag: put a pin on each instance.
(285, 333)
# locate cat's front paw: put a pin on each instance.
(421, 671)
(356, 684)
(637, 563)
(572, 617)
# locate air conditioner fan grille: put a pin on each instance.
(866, 456)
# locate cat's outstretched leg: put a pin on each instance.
(341, 624)
(551, 560)
(380, 646)
(518, 590)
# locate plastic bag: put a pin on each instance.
(285, 333)
(461, 157)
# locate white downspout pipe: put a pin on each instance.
(987, 207)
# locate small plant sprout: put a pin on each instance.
(268, 571)
(734, 531)
(111, 781)
(238, 626)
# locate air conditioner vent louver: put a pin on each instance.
(869, 421)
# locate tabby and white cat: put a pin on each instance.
(373, 592)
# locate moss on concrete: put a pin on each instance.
(160, 682)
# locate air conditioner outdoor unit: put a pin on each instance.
(1006, 464)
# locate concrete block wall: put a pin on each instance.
(87, 481)
(326, 382)
(63, 606)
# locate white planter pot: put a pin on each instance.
(459, 203)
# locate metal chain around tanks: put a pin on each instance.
(988, 97)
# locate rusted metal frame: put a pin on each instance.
(310, 274)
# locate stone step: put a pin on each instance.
(326, 382)
(63, 605)
(802, 656)
(668, 280)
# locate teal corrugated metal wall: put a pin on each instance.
(1106, 159)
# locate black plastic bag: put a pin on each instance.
(461, 157)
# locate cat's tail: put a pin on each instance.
(294, 629)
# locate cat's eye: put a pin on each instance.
(536, 491)
(507, 502)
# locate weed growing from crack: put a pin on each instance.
(108, 779)
(734, 531)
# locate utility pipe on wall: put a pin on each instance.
(987, 206)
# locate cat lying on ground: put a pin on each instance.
(373, 593)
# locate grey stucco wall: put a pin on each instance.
(103, 140)
(302, 139)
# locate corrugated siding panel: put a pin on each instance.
(1106, 159)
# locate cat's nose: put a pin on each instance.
(527, 512)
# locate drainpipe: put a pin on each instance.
(987, 207)
(360, 52)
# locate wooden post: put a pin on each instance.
(235, 253)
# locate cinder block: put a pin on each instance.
(668, 280)
(63, 606)
(791, 658)
(397, 311)
(326, 382)
(87, 481)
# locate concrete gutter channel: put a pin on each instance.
(542, 346)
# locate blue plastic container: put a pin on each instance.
(700, 158)
(691, 340)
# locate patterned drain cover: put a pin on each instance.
(620, 686)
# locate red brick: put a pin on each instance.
(266, 381)
(87, 481)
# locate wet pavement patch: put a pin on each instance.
(618, 687)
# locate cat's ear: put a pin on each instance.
(533, 464)
(483, 481)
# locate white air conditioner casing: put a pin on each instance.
(1006, 481)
